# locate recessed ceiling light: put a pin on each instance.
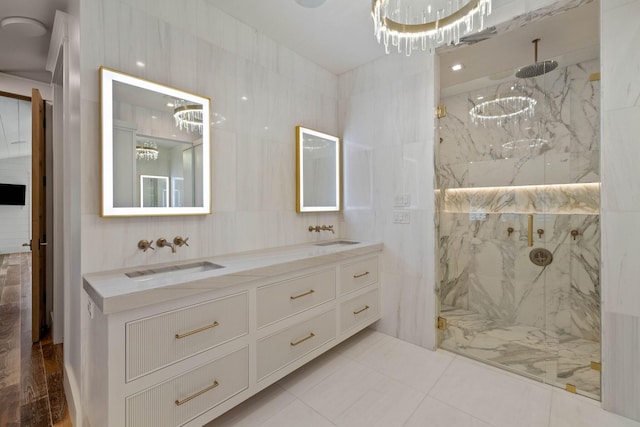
(457, 67)
(170, 104)
(244, 98)
(23, 27)
(480, 98)
(310, 3)
(140, 64)
(154, 117)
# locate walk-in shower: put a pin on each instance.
(518, 220)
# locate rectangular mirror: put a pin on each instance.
(156, 148)
(318, 170)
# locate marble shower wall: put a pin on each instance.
(259, 92)
(491, 177)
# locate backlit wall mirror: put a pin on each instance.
(318, 170)
(156, 148)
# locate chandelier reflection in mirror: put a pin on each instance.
(426, 24)
(502, 110)
(147, 151)
(188, 116)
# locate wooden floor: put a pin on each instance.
(31, 381)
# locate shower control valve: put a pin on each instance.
(540, 233)
(574, 234)
(509, 231)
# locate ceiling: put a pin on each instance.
(23, 56)
(568, 37)
(338, 35)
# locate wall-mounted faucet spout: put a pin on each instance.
(162, 242)
(318, 228)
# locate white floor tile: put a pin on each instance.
(301, 380)
(257, 410)
(297, 414)
(362, 343)
(340, 390)
(433, 413)
(387, 404)
(408, 363)
(377, 380)
(568, 410)
(500, 400)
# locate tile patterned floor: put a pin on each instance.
(376, 380)
(543, 355)
(31, 382)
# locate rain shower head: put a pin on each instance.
(538, 68)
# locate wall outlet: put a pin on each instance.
(401, 217)
(90, 308)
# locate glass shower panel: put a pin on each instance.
(518, 225)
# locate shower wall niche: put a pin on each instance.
(501, 181)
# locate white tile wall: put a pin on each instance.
(387, 125)
(253, 181)
(620, 36)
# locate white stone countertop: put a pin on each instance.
(113, 291)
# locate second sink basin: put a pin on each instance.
(337, 242)
(173, 270)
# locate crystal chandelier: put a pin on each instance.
(188, 116)
(500, 111)
(413, 24)
(147, 151)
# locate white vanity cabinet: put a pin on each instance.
(187, 360)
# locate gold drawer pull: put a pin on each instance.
(301, 340)
(309, 292)
(193, 396)
(195, 331)
(360, 275)
(366, 307)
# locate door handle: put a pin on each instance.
(28, 244)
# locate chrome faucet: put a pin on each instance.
(317, 228)
(162, 242)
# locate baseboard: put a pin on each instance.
(72, 394)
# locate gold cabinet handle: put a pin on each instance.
(301, 340)
(195, 331)
(366, 307)
(193, 396)
(309, 292)
(360, 275)
(530, 231)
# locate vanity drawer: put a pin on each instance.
(284, 347)
(359, 310)
(283, 299)
(182, 398)
(158, 341)
(359, 274)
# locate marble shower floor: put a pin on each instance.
(528, 350)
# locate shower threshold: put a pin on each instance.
(557, 359)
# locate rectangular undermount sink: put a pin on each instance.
(173, 270)
(337, 242)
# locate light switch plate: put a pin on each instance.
(401, 217)
(402, 200)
